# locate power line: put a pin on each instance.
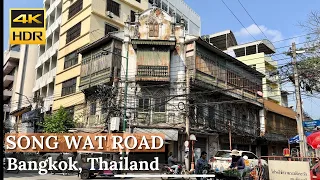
(238, 19)
(252, 19)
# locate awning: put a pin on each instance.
(20, 111)
(170, 134)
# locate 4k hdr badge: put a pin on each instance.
(27, 26)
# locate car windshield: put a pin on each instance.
(223, 154)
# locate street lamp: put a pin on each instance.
(192, 139)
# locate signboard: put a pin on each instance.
(27, 26)
(289, 170)
(311, 126)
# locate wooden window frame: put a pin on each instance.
(73, 33)
(70, 61)
(108, 27)
(75, 8)
(154, 30)
(132, 16)
(113, 7)
(69, 87)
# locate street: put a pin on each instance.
(36, 176)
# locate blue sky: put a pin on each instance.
(278, 19)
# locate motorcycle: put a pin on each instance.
(206, 170)
(5, 167)
(168, 170)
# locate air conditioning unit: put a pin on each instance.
(114, 123)
(110, 14)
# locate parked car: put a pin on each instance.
(222, 160)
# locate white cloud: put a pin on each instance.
(273, 35)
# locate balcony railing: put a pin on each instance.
(45, 79)
(157, 73)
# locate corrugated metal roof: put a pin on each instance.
(276, 108)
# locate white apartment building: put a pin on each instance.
(18, 81)
(47, 55)
(181, 9)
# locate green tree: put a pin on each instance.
(58, 122)
(309, 64)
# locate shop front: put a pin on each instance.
(238, 142)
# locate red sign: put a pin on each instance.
(286, 152)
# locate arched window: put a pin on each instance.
(144, 101)
(153, 29)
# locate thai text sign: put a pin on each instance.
(311, 126)
(289, 170)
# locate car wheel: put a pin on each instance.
(85, 174)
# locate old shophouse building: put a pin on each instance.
(171, 78)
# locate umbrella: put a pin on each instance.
(314, 140)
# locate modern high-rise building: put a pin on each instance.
(84, 22)
(18, 81)
(47, 55)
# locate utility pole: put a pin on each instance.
(299, 117)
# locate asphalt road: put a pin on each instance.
(36, 176)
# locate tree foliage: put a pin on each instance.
(58, 122)
(309, 62)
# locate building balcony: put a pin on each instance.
(7, 94)
(45, 79)
(54, 26)
(272, 78)
(11, 56)
(7, 79)
(47, 103)
(152, 73)
(48, 54)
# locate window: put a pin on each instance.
(254, 66)
(113, 7)
(178, 18)
(186, 26)
(171, 11)
(244, 119)
(75, 8)
(70, 60)
(108, 28)
(133, 16)
(73, 32)
(160, 105)
(229, 115)
(69, 87)
(144, 104)
(164, 6)
(93, 108)
(154, 30)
